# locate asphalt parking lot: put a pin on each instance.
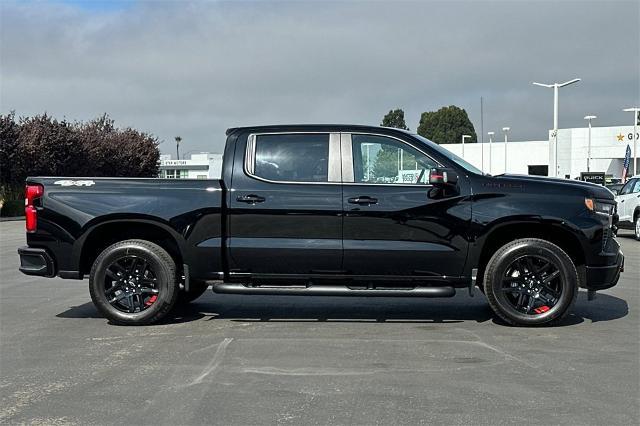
(298, 360)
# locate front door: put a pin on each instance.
(627, 200)
(285, 205)
(394, 224)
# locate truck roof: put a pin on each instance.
(316, 128)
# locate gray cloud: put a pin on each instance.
(194, 69)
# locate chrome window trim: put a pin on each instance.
(250, 163)
(334, 171)
(250, 158)
(346, 151)
(347, 161)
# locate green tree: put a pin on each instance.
(394, 118)
(385, 164)
(119, 152)
(44, 146)
(9, 133)
(447, 125)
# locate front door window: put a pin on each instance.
(382, 160)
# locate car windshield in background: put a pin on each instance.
(450, 155)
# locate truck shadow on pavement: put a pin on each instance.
(335, 309)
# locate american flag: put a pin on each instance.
(625, 164)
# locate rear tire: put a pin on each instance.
(636, 227)
(133, 282)
(196, 289)
(531, 282)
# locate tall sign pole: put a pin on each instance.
(635, 111)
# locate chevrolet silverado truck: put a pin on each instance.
(326, 210)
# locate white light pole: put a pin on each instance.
(490, 141)
(635, 136)
(505, 130)
(463, 138)
(555, 87)
(482, 154)
(589, 117)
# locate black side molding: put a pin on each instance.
(36, 261)
(332, 290)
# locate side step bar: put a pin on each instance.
(332, 290)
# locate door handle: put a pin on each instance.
(250, 199)
(364, 200)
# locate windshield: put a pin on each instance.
(450, 155)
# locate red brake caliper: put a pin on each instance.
(153, 299)
(541, 309)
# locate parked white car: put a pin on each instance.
(628, 200)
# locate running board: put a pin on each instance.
(332, 290)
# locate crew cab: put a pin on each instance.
(326, 210)
(628, 200)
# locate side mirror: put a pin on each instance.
(442, 177)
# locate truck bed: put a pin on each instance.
(77, 211)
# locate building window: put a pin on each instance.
(176, 174)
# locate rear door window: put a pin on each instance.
(291, 157)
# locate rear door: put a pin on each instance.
(394, 224)
(285, 206)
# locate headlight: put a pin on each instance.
(599, 207)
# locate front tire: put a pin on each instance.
(133, 282)
(531, 282)
(636, 227)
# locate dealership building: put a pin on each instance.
(608, 146)
(199, 166)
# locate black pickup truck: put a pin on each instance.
(327, 210)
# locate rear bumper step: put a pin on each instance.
(36, 261)
(333, 290)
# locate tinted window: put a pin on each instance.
(636, 187)
(292, 158)
(378, 159)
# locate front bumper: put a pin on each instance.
(602, 277)
(36, 261)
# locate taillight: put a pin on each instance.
(31, 214)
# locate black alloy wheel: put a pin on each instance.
(531, 282)
(130, 284)
(134, 282)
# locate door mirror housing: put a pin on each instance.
(442, 177)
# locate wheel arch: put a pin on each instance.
(106, 233)
(553, 231)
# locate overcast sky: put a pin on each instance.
(196, 68)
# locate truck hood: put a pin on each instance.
(591, 189)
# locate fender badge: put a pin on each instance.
(74, 182)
